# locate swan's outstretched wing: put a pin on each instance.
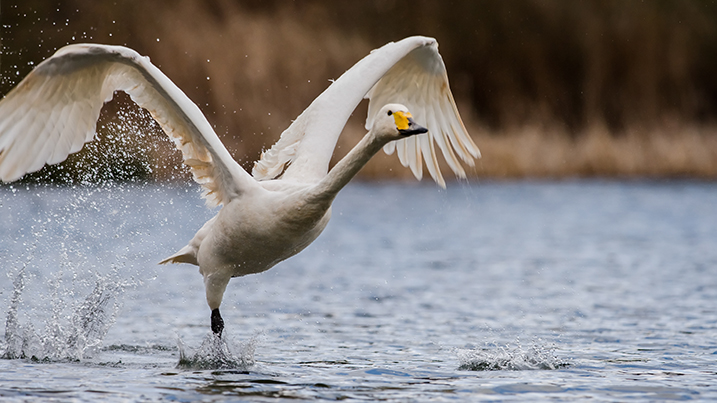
(54, 110)
(410, 72)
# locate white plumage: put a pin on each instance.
(286, 202)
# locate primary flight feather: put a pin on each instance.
(285, 204)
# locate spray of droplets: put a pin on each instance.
(74, 330)
(509, 357)
(218, 353)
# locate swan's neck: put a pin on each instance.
(348, 167)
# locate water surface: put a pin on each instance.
(490, 291)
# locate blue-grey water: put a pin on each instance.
(560, 291)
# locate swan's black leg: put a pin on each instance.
(217, 322)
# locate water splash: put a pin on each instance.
(510, 358)
(66, 337)
(218, 353)
(13, 341)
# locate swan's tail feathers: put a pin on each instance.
(185, 255)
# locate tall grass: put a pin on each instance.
(547, 88)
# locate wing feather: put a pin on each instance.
(54, 110)
(46, 139)
(402, 152)
(427, 148)
(390, 148)
(447, 151)
(414, 157)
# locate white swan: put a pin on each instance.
(287, 203)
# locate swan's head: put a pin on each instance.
(395, 122)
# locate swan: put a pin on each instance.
(285, 203)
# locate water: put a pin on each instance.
(490, 291)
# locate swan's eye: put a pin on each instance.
(390, 113)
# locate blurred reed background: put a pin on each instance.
(567, 88)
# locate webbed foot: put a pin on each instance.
(217, 322)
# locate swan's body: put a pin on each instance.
(286, 204)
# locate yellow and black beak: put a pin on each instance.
(405, 124)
